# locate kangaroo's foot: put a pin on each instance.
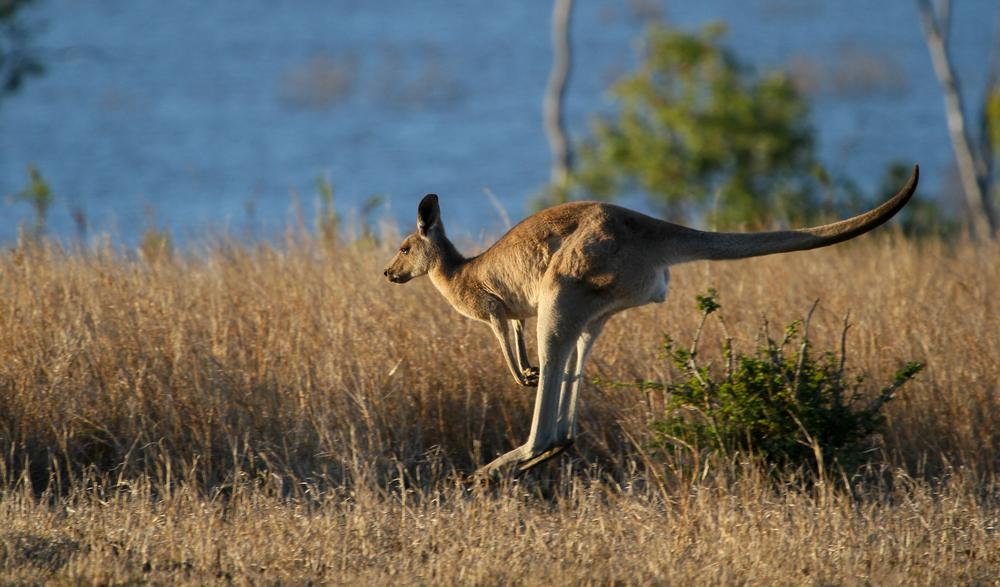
(494, 469)
(545, 456)
(520, 460)
(529, 377)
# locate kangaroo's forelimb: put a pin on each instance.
(523, 363)
(510, 335)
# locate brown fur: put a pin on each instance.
(574, 266)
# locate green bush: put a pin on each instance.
(38, 195)
(704, 136)
(783, 402)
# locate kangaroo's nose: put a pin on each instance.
(386, 273)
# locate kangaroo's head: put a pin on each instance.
(424, 249)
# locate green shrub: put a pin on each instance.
(38, 195)
(783, 402)
(703, 135)
(327, 219)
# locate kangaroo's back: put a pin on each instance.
(544, 233)
(586, 242)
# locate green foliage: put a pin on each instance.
(992, 111)
(699, 133)
(17, 62)
(155, 245)
(327, 220)
(38, 195)
(991, 114)
(783, 401)
(707, 303)
(369, 206)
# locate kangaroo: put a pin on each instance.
(574, 266)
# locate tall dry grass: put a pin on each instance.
(283, 413)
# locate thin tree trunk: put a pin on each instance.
(555, 91)
(972, 165)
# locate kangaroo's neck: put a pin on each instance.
(449, 267)
(458, 280)
(450, 261)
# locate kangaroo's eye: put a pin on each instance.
(405, 250)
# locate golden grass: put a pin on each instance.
(738, 533)
(266, 414)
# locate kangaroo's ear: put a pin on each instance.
(428, 214)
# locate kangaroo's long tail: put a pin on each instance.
(687, 244)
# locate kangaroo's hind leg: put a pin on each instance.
(560, 322)
(569, 396)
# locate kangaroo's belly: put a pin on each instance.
(659, 287)
(520, 308)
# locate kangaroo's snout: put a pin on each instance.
(395, 277)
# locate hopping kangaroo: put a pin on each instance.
(574, 266)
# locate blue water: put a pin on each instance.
(202, 117)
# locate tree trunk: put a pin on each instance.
(973, 166)
(555, 91)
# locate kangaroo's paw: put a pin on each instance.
(529, 377)
(518, 461)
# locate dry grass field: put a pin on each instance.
(284, 415)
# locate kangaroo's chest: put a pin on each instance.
(519, 305)
(518, 290)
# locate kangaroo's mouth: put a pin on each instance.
(395, 277)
